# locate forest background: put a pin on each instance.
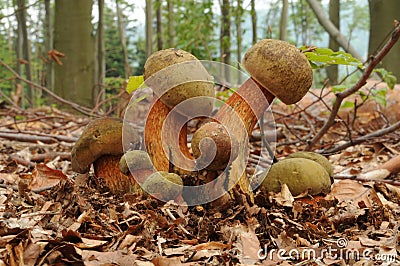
(85, 50)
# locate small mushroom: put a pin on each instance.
(322, 160)
(299, 174)
(137, 163)
(100, 144)
(163, 185)
(214, 136)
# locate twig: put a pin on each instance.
(77, 107)
(361, 82)
(173, 218)
(361, 139)
(34, 137)
(352, 177)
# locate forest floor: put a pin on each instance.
(50, 215)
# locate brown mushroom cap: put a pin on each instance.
(299, 174)
(100, 137)
(135, 160)
(213, 137)
(175, 76)
(280, 68)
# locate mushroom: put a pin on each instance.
(138, 164)
(163, 185)
(184, 89)
(214, 137)
(100, 144)
(277, 68)
(323, 161)
(299, 174)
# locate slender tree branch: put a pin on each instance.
(331, 28)
(359, 140)
(77, 107)
(361, 82)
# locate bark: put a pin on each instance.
(253, 21)
(238, 21)
(170, 23)
(331, 29)
(334, 15)
(100, 66)
(73, 37)
(382, 16)
(23, 50)
(225, 35)
(48, 45)
(160, 42)
(149, 28)
(284, 20)
(122, 37)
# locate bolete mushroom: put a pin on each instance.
(214, 136)
(100, 144)
(277, 68)
(322, 160)
(183, 89)
(299, 174)
(137, 163)
(163, 185)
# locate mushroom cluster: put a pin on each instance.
(183, 90)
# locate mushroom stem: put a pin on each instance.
(156, 130)
(248, 103)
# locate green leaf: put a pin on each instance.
(325, 56)
(134, 83)
(338, 88)
(380, 97)
(387, 77)
(347, 104)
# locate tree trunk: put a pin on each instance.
(253, 21)
(100, 65)
(73, 37)
(331, 29)
(170, 23)
(225, 36)
(122, 37)
(149, 28)
(334, 15)
(239, 13)
(160, 42)
(48, 45)
(382, 16)
(284, 20)
(24, 48)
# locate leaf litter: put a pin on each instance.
(50, 215)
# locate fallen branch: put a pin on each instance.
(364, 138)
(361, 82)
(35, 137)
(77, 107)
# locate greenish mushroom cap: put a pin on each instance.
(322, 160)
(135, 160)
(299, 174)
(163, 184)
